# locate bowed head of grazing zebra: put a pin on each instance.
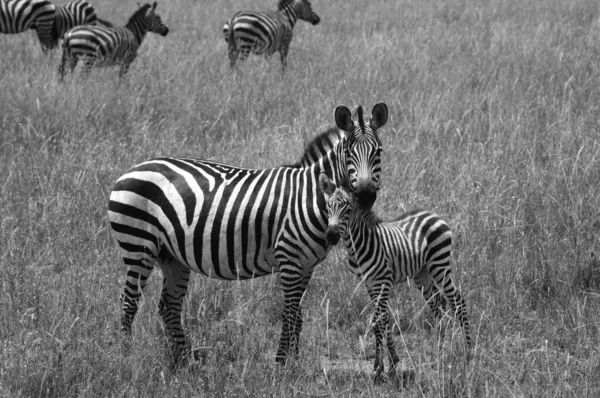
(108, 46)
(228, 223)
(17, 16)
(416, 245)
(72, 14)
(263, 33)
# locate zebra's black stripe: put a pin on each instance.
(266, 32)
(17, 16)
(416, 245)
(108, 46)
(228, 223)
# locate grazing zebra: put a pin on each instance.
(416, 245)
(17, 16)
(105, 46)
(74, 13)
(232, 223)
(266, 32)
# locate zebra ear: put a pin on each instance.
(343, 118)
(326, 186)
(379, 115)
(154, 6)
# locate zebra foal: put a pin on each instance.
(232, 223)
(107, 46)
(17, 16)
(266, 32)
(416, 245)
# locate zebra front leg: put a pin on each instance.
(66, 58)
(379, 292)
(294, 286)
(175, 283)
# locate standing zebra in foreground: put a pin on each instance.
(16, 16)
(105, 46)
(72, 14)
(233, 223)
(416, 245)
(266, 32)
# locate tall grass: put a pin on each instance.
(494, 122)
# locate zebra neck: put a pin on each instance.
(139, 27)
(290, 14)
(363, 222)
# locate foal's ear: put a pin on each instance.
(326, 186)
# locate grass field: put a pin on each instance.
(494, 123)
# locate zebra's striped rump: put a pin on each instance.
(264, 33)
(17, 16)
(416, 245)
(108, 46)
(228, 223)
(74, 13)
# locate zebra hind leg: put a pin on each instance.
(424, 282)
(457, 303)
(175, 284)
(137, 277)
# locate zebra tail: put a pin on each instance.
(230, 38)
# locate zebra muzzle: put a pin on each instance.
(333, 235)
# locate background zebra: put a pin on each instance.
(266, 32)
(74, 13)
(106, 46)
(231, 223)
(416, 245)
(17, 16)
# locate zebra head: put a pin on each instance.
(302, 9)
(339, 207)
(362, 151)
(155, 23)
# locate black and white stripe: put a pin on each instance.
(17, 16)
(266, 32)
(72, 14)
(106, 46)
(416, 245)
(228, 223)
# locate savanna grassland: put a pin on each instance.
(494, 123)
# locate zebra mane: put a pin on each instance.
(283, 4)
(319, 145)
(361, 119)
(142, 10)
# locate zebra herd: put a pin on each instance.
(232, 223)
(97, 42)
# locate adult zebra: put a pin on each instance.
(266, 32)
(17, 16)
(233, 223)
(106, 46)
(416, 245)
(74, 13)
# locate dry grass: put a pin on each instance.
(494, 123)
